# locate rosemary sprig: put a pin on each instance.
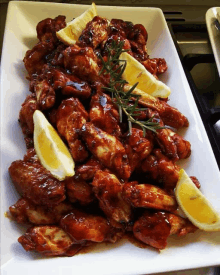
(127, 102)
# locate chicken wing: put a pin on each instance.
(104, 114)
(71, 116)
(53, 81)
(137, 147)
(35, 58)
(148, 196)
(49, 241)
(108, 190)
(47, 28)
(79, 191)
(155, 228)
(95, 33)
(183, 146)
(155, 66)
(36, 183)
(169, 115)
(83, 227)
(26, 115)
(87, 171)
(161, 169)
(107, 149)
(24, 211)
(83, 63)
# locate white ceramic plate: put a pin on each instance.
(214, 34)
(195, 250)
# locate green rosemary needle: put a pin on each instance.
(127, 102)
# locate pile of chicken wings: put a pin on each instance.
(124, 181)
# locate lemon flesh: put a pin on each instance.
(195, 205)
(50, 149)
(71, 33)
(136, 72)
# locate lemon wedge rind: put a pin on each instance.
(136, 72)
(195, 205)
(71, 33)
(51, 150)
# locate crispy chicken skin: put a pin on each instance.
(148, 196)
(36, 183)
(24, 211)
(82, 227)
(108, 190)
(95, 33)
(104, 114)
(71, 116)
(79, 191)
(155, 228)
(161, 169)
(107, 149)
(49, 241)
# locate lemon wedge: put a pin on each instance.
(136, 72)
(71, 33)
(51, 150)
(195, 205)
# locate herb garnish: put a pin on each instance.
(126, 101)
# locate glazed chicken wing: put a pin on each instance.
(108, 190)
(137, 147)
(104, 114)
(155, 228)
(52, 82)
(36, 183)
(83, 227)
(95, 33)
(26, 115)
(87, 171)
(155, 66)
(49, 241)
(83, 63)
(169, 115)
(79, 191)
(24, 211)
(148, 196)
(35, 58)
(71, 116)
(107, 149)
(47, 28)
(161, 169)
(172, 145)
(45, 94)
(183, 146)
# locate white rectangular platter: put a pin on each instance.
(195, 250)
